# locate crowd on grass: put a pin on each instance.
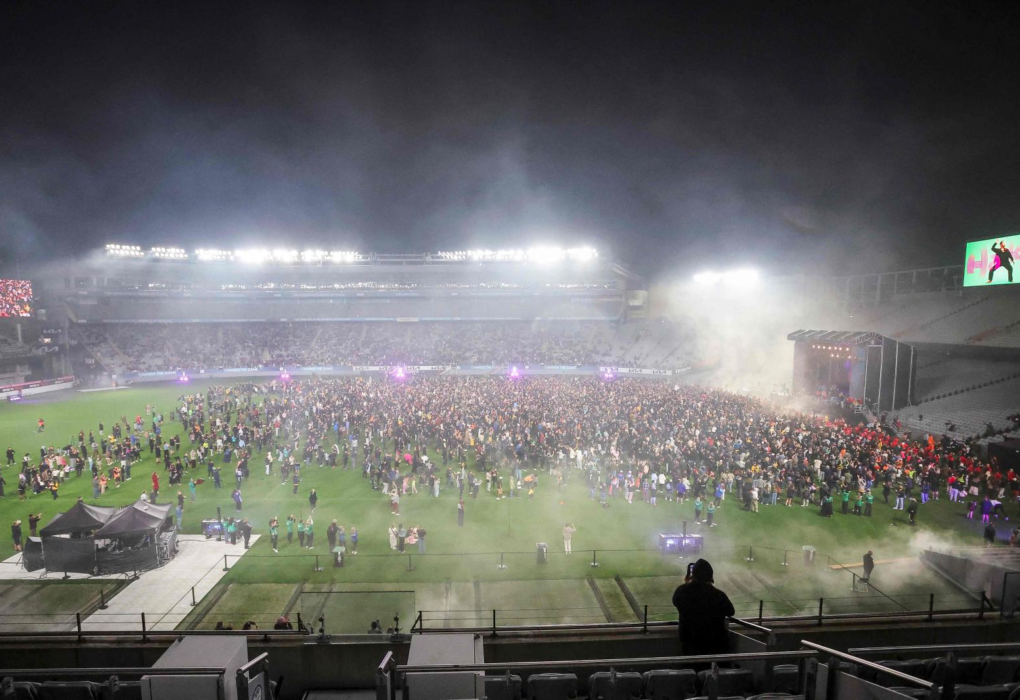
(626, 442)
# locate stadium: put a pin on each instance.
(633, 351)
(455, 413)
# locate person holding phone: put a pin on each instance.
(703, 610)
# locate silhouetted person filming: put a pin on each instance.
(703, 611)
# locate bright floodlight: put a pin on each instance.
(514, 372)
(706, 278)
(741, 278)
(124, 251)
(344, 256)
(283, 255)
(583, 254)
(545, 255)
(212, 254)
(252, 256)
(313, 256)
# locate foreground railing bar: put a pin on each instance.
(928, 685)
(257, 660)
(588, 663)
(672, 623)
(385, 663)
(938, 648)
(151, 633)
(146, 671)
(750, 625)
(563, 627)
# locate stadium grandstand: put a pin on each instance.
(494, 349)
(509, 351)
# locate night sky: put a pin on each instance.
(800, 138)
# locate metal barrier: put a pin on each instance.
(419, 625)
(391, 677)
(946, 692)
(247, 684)
(147, 635)
(937, 649)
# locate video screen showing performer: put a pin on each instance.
(1003, 260)
(15, 298)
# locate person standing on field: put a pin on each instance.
(568, 532)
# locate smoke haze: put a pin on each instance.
(815, 139)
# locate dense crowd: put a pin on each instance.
(153, 347)
(658, 441)
(626, 441)
(15, 298)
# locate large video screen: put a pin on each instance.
(992, 261)
(15, 298)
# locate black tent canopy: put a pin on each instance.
(138, 518)
(81, 518)
(94, 540)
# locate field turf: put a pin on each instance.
(459, 576)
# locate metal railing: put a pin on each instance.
(946, 692)
(936, 649)
(497, 620)
(391, 676)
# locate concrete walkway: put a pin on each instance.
(164, 594)
(12, 570)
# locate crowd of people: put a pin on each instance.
(628, 441)
(156, 347)
(15, 298)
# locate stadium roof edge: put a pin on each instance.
(844, 337)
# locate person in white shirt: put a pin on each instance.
(568, 532)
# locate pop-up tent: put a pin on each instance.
(143, 538)
(97, 540)
(139, 518)
(82, 519)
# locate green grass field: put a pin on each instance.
(458, 578)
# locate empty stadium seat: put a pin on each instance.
(785, 678)
(497, 687)
(1000, 670)
(552, 686)
(732, 681)
(19, 690)
(670, 684)
(983, 692)
(68, 690)
(602, 686)
(910, 692)
(968, 671)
